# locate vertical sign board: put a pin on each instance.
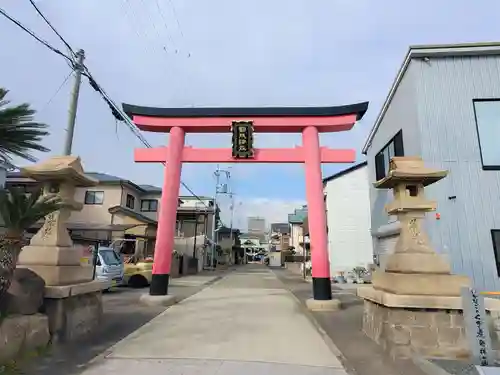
(242, 139)
(476, 327)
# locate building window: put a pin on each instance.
(149, 205)
(383, 158)
(495, 236)
(130, 202)
(94, 197)
(487, 113)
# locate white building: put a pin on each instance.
(348, 218)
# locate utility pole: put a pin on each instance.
(73, 104)
(231, 222)
(217, 174)
(214, 221)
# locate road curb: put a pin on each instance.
(326, 338)
(428, 367)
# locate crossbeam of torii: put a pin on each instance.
(224, 155)
(310, 121)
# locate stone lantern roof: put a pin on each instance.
(60, 168)
(409, 170)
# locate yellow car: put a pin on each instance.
(138, 275)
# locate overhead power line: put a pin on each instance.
(115, 110)
(33, 35)
(52, 27)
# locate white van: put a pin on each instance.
(109, 266)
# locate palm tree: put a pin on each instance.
(19, 212)
(19, 134)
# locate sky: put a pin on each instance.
(223, 53)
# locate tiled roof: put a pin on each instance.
(151, 188)
(280, 227)
(103, 177)
(131, 213)
(298, 216)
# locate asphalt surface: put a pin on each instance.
(361, 356)
(123, 314)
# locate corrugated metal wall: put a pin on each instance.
(401, 114)
(445, 90)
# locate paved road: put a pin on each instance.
(123, 314)
(246, 323)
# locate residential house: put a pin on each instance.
(118, 209)
(347, 199)
(280, 237)
(253, 245)
(228, 241)
(296, 231)
(444, 106)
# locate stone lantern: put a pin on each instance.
(414, 268)
(72, 300)
(414, 305)
(51, 253)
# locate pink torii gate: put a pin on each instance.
(310, 121)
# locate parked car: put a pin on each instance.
(109, 266)
(139, 274)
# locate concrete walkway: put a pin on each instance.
(246, 323)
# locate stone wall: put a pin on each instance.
(427, 332)
(75, 316)
(22, 335)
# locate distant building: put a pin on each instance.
(279, 237)
(296, 231)
(256, 225)
(348, 219)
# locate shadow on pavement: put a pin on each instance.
(361, 355)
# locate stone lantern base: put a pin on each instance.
(57, 265)
(424, 325)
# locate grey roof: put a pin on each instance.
(150, 188)
(104, 177)
(428, 51)
(345, 171)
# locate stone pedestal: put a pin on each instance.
(414, 307)
(74, 311)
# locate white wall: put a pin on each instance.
(348, 217)
(295, 237)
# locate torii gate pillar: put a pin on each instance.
(309, 121)
(316, 215)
